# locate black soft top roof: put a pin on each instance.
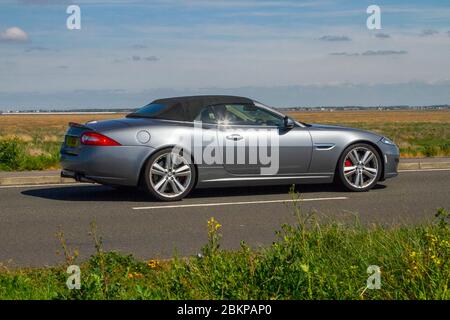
(187, 108)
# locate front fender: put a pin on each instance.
(329, 142)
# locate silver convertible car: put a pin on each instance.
(174, 145)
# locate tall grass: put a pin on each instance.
(310, 260)
(415, 139)
(18, 155)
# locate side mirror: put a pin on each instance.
(288, 123)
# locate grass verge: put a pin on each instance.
(310, 260)
(19, 155)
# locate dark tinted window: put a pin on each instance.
(151, 109)
(160, 111)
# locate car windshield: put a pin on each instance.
(259, 104)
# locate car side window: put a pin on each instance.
(206, 115)
(244, 114)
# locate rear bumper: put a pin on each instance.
(76, 176)
(106, 165)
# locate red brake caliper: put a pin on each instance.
(348, 163)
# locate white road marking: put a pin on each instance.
(47, 185)
(423, 170)
(215, 204)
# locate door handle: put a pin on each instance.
(234, 137)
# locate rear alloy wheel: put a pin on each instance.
(359, 167)
(169, 176)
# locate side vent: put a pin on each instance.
(324, 146)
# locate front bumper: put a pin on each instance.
(391, 159)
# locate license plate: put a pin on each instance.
(71, 141)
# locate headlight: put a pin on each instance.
(387, 141)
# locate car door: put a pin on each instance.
(254, 141)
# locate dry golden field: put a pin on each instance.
(32, 142)
(374, 116)
(417, 133)
(25, 123)
(36, 138)
(13, 124)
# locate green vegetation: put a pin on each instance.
(18, 155)
(310, 260)
(416, 139)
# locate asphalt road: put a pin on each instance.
(130, 222)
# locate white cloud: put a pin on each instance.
(429, 32)
(382, 35)
(370, 53)
(383, 52)
(334, 38)
(14, 34)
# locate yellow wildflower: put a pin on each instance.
(153, 264)
(213, 225)
(305, 268)
(135, 275)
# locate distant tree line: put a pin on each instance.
(299, 108)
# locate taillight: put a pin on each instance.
(97, 139)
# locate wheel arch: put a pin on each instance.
(372, 144)
(145, 162)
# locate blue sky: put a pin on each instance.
(285, 53)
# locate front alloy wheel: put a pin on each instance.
(359, 167)
(169, 175)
